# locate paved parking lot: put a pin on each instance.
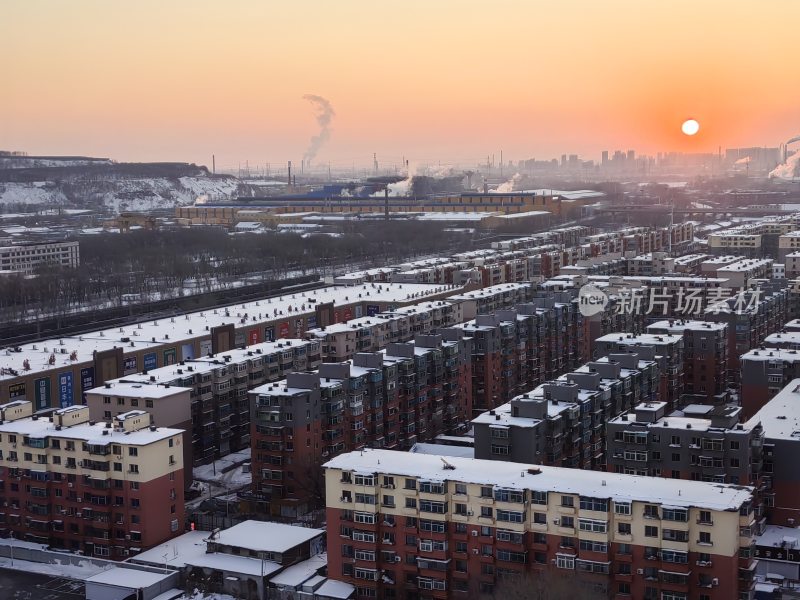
(20, 585)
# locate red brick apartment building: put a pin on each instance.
(424, 526)
(410, 392)
(104, 489)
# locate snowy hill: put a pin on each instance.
(102, 184)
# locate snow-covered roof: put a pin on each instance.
(177, 550)
(679, 326)
(196, 325)
(599, 484)
(641, 338)
(263, 536)
(134, 579)
(234, 564)
(772, 354)
(780, 417)
(298, 574)
(87, 432)
(443, 450)
(336, 589)
(128, 389)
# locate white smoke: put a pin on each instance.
(325, 115)
(508, 186)
(743, 161)
(788, 170)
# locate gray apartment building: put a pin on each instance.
(699, 443)
(562, 422)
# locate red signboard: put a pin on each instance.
(254, 335)
(283, 330)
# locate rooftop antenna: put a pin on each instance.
(447, 465)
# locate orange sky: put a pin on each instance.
(442, 80)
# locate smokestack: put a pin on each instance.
(386, 203)
(485, 188)
(290, 173)
(213, 164)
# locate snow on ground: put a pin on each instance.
(206, 596)
(83, 570)
(229, 471)
(23, 193)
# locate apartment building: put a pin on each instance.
(56, 372)
(791, 263)
(780, 419)
(787, 244)
(410, 392)
(653, 263)
(341, 341)
(488, 300)
(669, 350)
(765, 372)
(168, 406)
(705, 358)
(102, 489)
(27, 258)
(218, 385)
(751, 315)
(739, 274)
(513, 350)
(562, 422)
(421, 525)
(690, 264)
(699, 442)
(712, 264)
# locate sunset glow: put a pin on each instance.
(448, 81)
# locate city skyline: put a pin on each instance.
(451, 82)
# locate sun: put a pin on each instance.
(690, 127)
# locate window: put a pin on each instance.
(705, 538)
(650, 531)
(565, 561)
(499, 450)
(540, 518)
(486, 492)
(411, 484)
(568, 522)
(364, 480)
(411, 503)
(133, 451)
(596, 504)
(622, 508)
(675, 514)
(624, 528)
(510, 516)
(591, 546)
(592, 525)
(705, 518)
(539, 498)
(486, 512)
(516, 496)
(650, 511)
(567, 501)
(433, 507)
(461, 488)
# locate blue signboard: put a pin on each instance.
(373, 309)
(87, 381)
(150, 361)
(65, 389)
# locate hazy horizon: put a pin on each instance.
(446, 81)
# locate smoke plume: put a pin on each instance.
(508, 186)
(325, 115)
(788, 170)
